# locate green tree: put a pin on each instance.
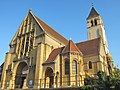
(90, 81)
(115, 79)
(101, 78)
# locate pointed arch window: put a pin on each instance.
(22, 50)
(27, 44)
(90, 65)
(91, 22)
(74, 67)
(95, 22)
(67, 67)
(31, 43)
(31, 40)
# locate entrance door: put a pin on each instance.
(49, 73)
(19, 82)
(22, 81)
(51, 81)
(21, 73)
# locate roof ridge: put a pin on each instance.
(76, 47)
(88, 40)
(66, 47)
(51, 31)
(71, 46)
(46, 24)
(89, 47)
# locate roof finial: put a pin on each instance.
(92, 3)
(30, 9)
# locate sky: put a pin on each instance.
(67, 17)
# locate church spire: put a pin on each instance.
(93, 13)
(96, 27)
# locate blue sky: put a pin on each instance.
(68, 17)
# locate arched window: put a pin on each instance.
(74, 67)
(67, 67)
(95, 22)
(27, 44)
(90, 65)
(91, 22)
(31, 40)
(22, 49)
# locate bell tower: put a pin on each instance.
(96, 28)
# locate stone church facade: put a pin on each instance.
(39, 57)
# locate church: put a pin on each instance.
(39, 57)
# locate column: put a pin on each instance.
(24, 45)
(24, 84)
(6, 63)
(39, 67)
(47, 82)
(12, 81)
(34, 35)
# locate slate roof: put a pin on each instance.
(89, 47)
(93, 13)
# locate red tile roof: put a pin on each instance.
(89, 47)
(85, 48)
(52, 32)
(53, 55)
(71, 47)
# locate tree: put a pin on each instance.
(115, 79)
(101, 78)
(104, 82)
(90, 81)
